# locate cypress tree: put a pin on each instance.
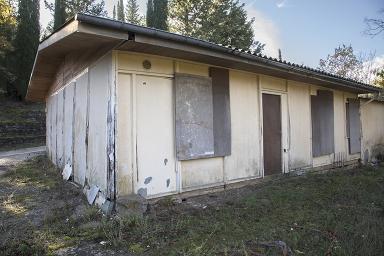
(26, 43)
(59, 14)
(120, 11)
(114, 12)
(150, 14)
(160, 10)
(132, 14)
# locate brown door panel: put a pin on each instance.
(272, 134)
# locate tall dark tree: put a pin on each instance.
(7, 31)
(133, 15)
(26, 43)
(59, 15)
(64, 9)
(160, 14)
(150, 14)
(120, 11)
(114, 12)
(221, 21)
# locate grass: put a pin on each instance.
(336, 213)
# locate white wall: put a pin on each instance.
(245, 161)
(68, 123)
(80, 128)
(372, 119)
(299, 108)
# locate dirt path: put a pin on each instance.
(9, 159)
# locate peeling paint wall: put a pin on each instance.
(97, 122)
(53, 120)
(80, 119)
(80, 128)
(68, 123)
(60, 130)
(372, 120)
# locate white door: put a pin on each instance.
(155, 136)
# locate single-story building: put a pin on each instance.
(133, 110)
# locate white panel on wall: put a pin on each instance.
(340, 123)
(68, 123)
(48, 126)
(59, 130)
(155, 136)
(124, 142)
(80, 129)
(99, 79)
(300, 125)
(245, 158)
(201, 173)
(54, 130)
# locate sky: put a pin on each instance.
(304, 30)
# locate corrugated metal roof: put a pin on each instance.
(101, 21)
(91, 31)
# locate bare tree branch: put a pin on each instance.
(374, 26)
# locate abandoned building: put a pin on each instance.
(138, 111)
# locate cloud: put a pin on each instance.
(266, 32)
(281, 4)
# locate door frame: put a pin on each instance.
(284, 128)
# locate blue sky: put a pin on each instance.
(305, 30)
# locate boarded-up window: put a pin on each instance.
(203, 122)
(221, 111)
(353, 126)
(322, 123)
(194, 117)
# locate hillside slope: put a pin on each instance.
(21, 124)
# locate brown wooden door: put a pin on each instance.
(272, 134)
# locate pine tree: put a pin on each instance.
(220, 21)
(26, 42)
(114, 12)
(120, 11)
(150, 14)
(160, 11)
(132, 14)
(60, 15)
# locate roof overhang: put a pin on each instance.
(73, 36)
(88, 32)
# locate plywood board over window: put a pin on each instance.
(322, 123)
(221, 111)
(203, 122)
(194, 122)
(353, 126)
